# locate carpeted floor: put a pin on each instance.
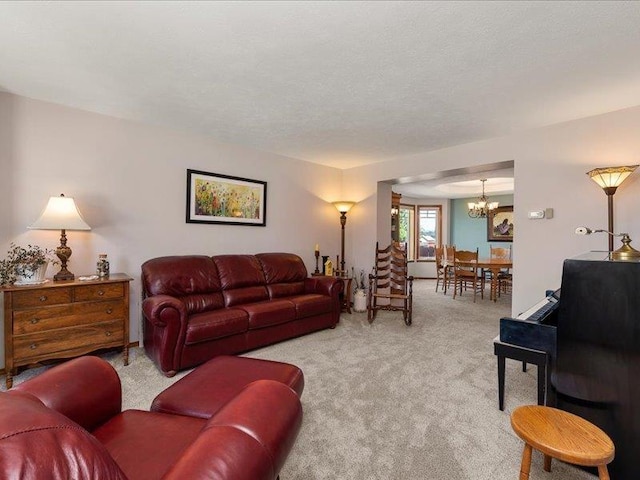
(387, 401)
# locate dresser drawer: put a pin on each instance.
(67, 341)
(41, 298)
(98, 292)
(60, 316)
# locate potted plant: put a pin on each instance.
(25, 265)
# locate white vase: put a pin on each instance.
(34, 277)
(359, 301)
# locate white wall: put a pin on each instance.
(550, 166)
(129, 182)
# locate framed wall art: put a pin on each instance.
(500, 224)
(215, 198)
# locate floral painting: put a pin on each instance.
(215, 198)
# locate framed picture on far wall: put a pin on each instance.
(500, 224)
(215, 198)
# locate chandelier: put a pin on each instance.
(482, 207)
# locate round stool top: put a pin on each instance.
(562, 435)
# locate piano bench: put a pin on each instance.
(527, 355)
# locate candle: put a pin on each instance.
(317, 248)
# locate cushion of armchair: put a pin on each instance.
(146, 444)
(86, 389)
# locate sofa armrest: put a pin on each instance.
(250, 437)
(165, 327)
(332, 286)
(86, 389)
(163, 310)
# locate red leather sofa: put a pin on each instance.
(67, 423)
(196, 307)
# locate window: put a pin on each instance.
(421, 230)
(407, 229)
(429, 226)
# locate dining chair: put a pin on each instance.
(504, 277)
(467, 273)
(449, 259)
(440, 266)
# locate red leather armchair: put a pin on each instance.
(67, 423)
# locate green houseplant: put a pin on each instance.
(25, 264)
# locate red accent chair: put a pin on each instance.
(68, 423)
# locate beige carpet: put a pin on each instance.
(387, 401)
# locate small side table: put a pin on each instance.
(562, 435)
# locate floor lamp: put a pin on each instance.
(610, 178)
(343, 208)
(61, 214)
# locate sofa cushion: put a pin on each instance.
(240, 296)
(238, 271)
(132, 439)
(38, 443)
(311, 304)
(192, 278)
(272, 312)
(282, 267)
(220, 323)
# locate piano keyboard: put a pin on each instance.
(540, 310)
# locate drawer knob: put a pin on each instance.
(108, 334)
(109, 311)
(34, 321)
(100, 293)
(43, 298)
(33, 346)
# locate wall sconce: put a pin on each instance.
(610, 178)
(343, 208)
(61, 214)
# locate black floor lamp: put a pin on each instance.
(343, 208)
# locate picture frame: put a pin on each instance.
(500, 224)
(214, 198)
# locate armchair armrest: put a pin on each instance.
(250, 437)
(86, 389)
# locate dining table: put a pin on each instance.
(494, 265)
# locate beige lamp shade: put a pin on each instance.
(60, 213)
(343, 207)
(608, 177)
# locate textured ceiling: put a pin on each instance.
(338, 83)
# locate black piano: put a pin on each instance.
(595, 367)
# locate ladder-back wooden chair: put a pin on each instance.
(466, 273)
(390, 283)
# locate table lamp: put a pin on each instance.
(61, 214)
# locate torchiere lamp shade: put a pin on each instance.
(61, 214)
(611, 177)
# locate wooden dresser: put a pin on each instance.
(64, 319)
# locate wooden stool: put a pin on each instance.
(561, 435)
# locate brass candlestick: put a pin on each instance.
(317, 253)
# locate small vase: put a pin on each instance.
(359, 301)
